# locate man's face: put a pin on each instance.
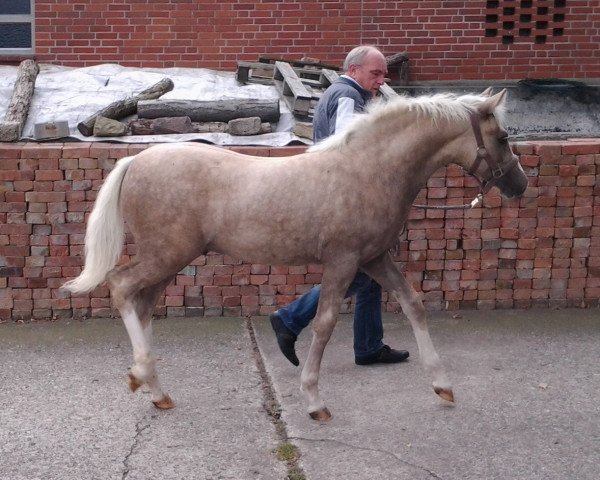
(370, 74)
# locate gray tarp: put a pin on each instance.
(536, 108)
(74, 94)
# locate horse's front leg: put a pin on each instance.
(383, 270)
(333, 286)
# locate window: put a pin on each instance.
(16, 27)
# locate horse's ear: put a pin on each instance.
(487, 92)
(493, 102)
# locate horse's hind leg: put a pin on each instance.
(145, 372)
(383, 270)
(135, 292)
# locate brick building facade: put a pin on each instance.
(445, 40)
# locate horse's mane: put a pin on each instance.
(438, 107)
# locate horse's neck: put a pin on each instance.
(412, 153)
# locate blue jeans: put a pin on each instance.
(368, 327)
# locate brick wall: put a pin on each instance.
(445, 40)
(542, 250)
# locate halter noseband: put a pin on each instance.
(498, 171)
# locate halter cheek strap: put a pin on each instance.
(498, 171)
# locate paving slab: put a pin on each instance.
(66, 412)
(527, 388)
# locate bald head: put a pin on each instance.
(367, 66)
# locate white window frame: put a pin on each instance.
(21, 19)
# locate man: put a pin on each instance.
(365, 68)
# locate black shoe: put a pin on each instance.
(385, 355)
(286, 339)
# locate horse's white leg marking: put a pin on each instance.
(309, 380)
(387, 275)
(144, 368)
(414, 310)
(334, 283)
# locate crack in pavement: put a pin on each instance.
(139, 428)
(377, 450)
(271, 405)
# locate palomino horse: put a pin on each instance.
(342, 204)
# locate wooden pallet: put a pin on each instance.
(254, 72)
(299, 63)
(385, 90)
(291, 89)
(257, 72)
(300, 87)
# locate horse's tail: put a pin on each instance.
(105, 233)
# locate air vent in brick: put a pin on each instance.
(525, 20)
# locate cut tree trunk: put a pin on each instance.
(16, 114)
(211, 111)
(160, 126)
(125, 107)
(148, 126)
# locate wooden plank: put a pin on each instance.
(242, 74)
(290, 86)
(387, 92)
(247, 72)
(313, 77)
(298, 63)
(328, 77)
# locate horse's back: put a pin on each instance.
(231, 202)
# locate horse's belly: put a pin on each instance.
(258, 247)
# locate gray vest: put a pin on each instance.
(325, 113)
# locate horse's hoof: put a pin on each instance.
(322, 415)
(164, 403)
(133, 382)
(445, 393)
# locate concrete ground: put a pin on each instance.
(527, 388)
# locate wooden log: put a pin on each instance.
(211, 110)
(18, 108)
(142, 127)
(125, 107)
(168, 125)
(148, 126)
(210, 127)
(161, 126)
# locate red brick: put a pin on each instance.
(577, 148)
(45, 196)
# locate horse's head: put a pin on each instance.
(495, 164)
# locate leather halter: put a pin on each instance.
(498, 171)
